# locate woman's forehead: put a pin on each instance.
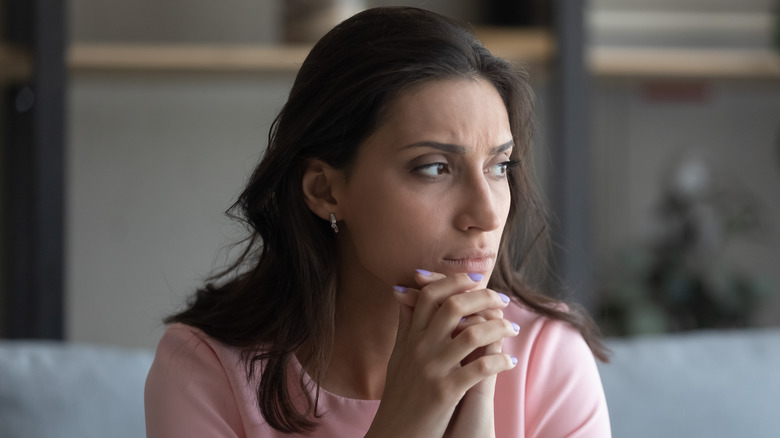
(459, 111)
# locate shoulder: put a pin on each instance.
(545, 341)
(187, 348)
(193, 376)
(558, 375)
(187, 357)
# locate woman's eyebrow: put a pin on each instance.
(503, 147)
(458, 149)
(446, 147)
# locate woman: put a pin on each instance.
(377, 296)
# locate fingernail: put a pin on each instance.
(515, 327)
(514, 360)
(463, 319)
(476, 277)
(400, 289)
(503, 297)
(424, 272)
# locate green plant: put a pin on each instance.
(679, 280)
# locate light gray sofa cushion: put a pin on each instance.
(702, 384)
(50, 389)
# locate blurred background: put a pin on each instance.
(127, 129)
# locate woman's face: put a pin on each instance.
(428, 189)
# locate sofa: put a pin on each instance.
(701, 384)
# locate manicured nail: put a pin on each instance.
(515, 327)
(463, 319)
(424, 272)
(514, 360)
(503, 297)
(476, 277)
(400, 289)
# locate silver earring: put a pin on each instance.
(333, 223)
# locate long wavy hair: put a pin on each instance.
(278, 298)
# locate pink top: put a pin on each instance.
(197, 387)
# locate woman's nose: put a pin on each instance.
(479, 205)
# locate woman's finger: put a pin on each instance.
(454, 308)
(434, 296)
(485, 315)
(480, 336)
(423, 277)
(493, 348)
(406, 296)
(488, 365)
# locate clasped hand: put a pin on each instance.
(441, 374)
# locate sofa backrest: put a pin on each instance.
(713, 384)
(51, 389)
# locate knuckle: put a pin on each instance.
(476, 319)
(454, 306)
(426, 297)
(470, 336)
(483, 366)
(494, 314)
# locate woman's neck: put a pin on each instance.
(366, 326)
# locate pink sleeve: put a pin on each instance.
(564, 396)
(187, 392)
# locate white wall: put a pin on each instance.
(153, 163)
(154, 160)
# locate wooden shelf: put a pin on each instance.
(640, 63)
(532, 47)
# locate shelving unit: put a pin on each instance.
(641, 63)
(535, 48)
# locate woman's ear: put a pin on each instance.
(320, 183)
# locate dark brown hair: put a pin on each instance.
(278, 299)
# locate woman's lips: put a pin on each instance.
(471, 264)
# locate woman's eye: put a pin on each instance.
(499, 170)
(433, 169)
